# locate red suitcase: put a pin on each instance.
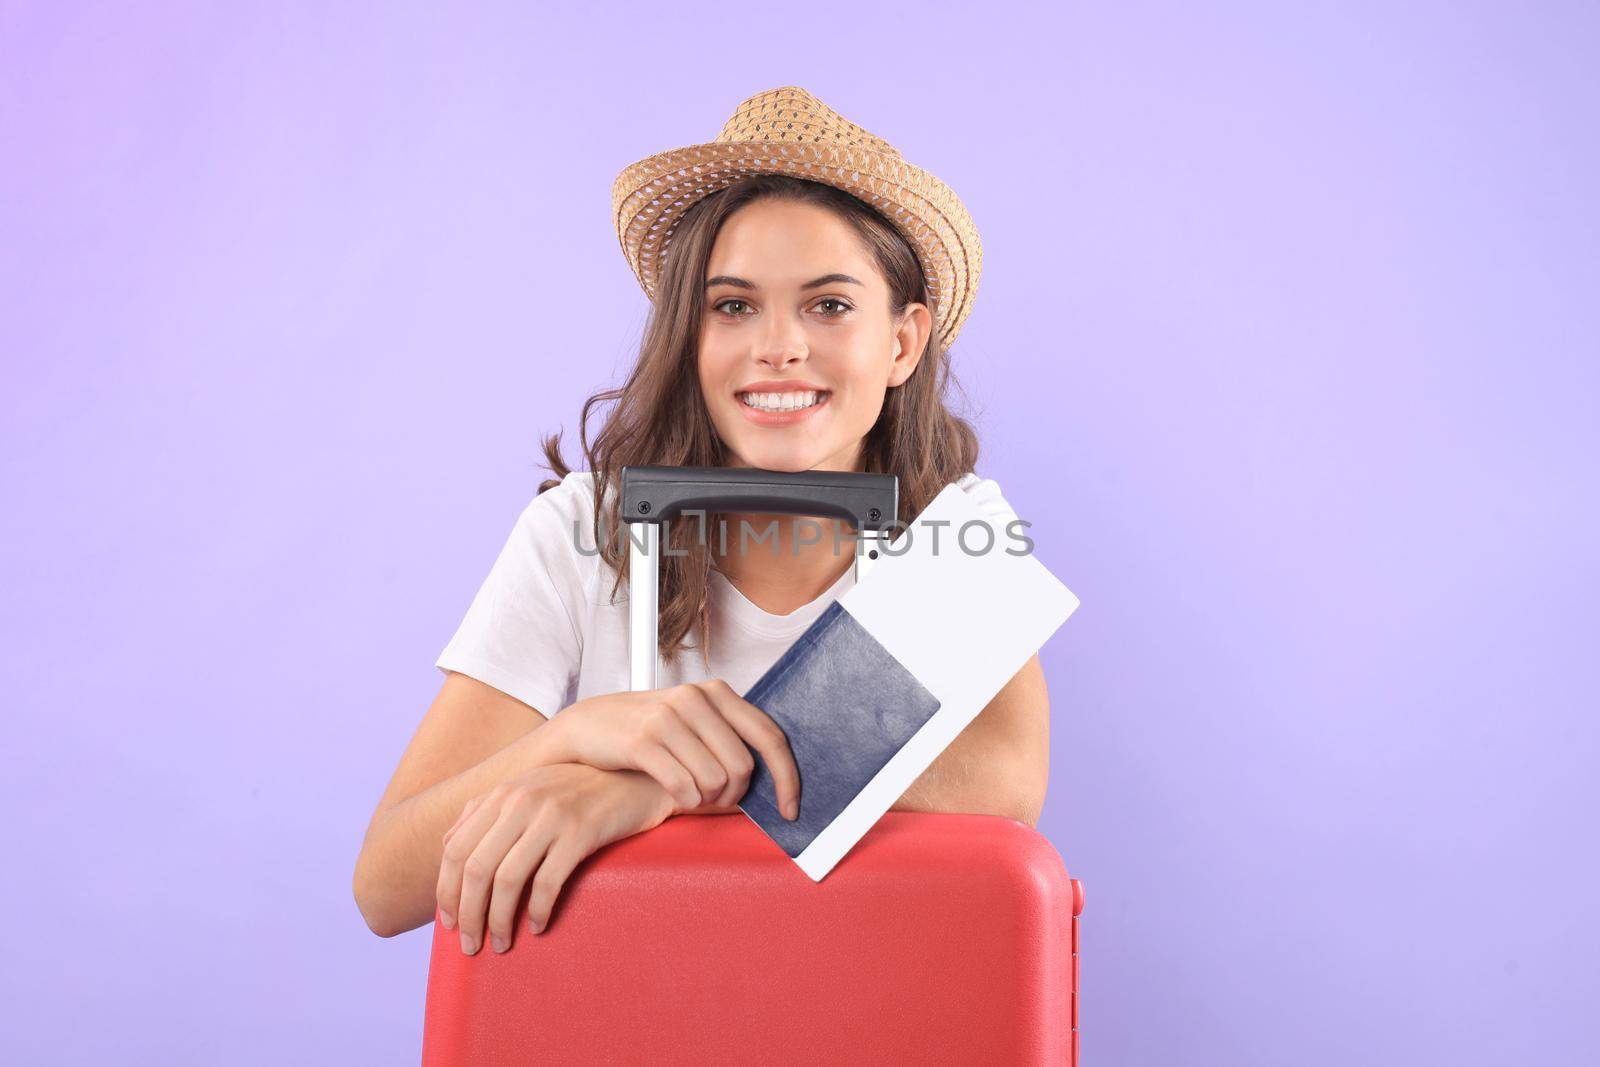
(937, 939)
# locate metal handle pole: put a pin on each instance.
(644, 543)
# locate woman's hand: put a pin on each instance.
(541, 824)
(690, 738)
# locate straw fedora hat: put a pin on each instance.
(789, 131)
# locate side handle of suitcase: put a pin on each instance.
(652, 496)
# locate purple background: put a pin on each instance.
(1287, 343)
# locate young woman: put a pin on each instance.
(806, 283)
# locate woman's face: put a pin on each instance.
(797, 345)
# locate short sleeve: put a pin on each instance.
(522, 633)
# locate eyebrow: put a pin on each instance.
(826, 279)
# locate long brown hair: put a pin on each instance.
(658, 415)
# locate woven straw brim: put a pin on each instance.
(649, 198)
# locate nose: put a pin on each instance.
(782, 344)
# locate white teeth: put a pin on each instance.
(790, 401)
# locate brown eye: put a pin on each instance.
(721, 305)
(844, 308)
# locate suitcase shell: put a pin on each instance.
(940, 938)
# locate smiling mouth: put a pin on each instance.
(779, 403)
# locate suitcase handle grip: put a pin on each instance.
(655, 494)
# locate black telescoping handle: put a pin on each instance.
(655, 494)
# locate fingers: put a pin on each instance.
(466, 813)
(472, 859)
(765, 736)
(527, 837)
(656, 760)
(683, 734)
(707, 720)
(565, 853)
(511, 881)
(474, 822)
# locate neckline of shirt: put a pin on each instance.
(740, 609)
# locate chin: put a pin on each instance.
(786, 461)
(772, 457)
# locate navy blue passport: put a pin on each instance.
(847, 706)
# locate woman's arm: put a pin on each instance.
(1000, 763)
(473, 738)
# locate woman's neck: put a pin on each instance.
(783, 562)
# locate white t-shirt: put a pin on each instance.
(543, 629)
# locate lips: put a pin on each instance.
(780, 407)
